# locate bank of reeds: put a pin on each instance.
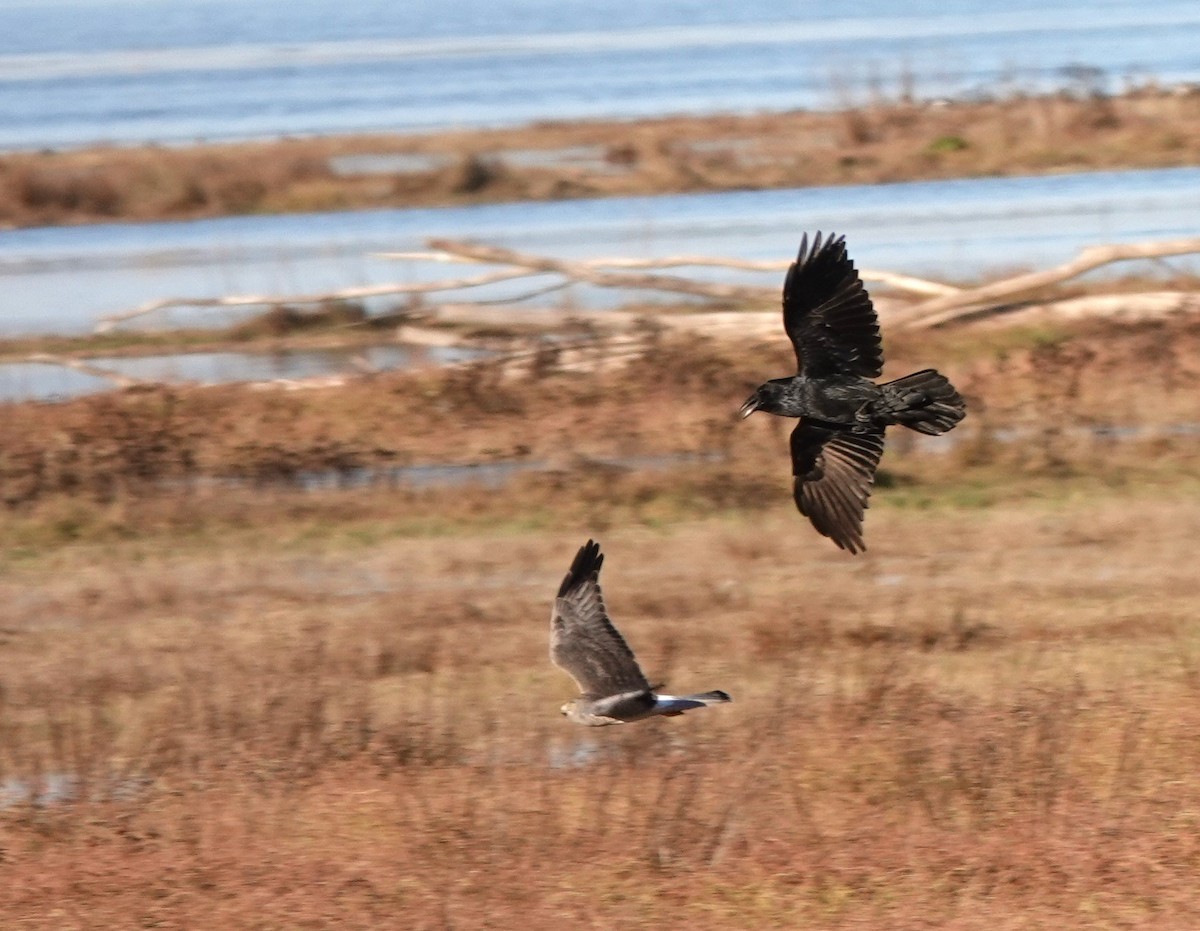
(1092, 394)
(880, 138)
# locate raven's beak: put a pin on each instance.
(749, 407)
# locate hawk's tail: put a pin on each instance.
(924, 401)
(677, 704)
(715, 697)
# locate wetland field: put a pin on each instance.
(232, 695)
(274, 655)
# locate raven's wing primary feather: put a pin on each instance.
(583, 641)
(828, 314)
(832, 477)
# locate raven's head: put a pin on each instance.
(768, 398)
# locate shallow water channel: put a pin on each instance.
(21, 381)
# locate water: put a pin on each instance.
(495, 474)
(63, 280)
(63, 788)
(80, 71)
(22, 381)
(51, 789)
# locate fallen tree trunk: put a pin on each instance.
(341, 294)
(579, 271)
(948, 304)
(970, 301)
(892, 279)
(84, 367)
(1129, 307)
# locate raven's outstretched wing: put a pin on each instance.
(583, 641)
(828, 314)
(832, 477)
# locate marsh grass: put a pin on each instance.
(882, 138)
(250, 705)
(678, 399)
(986, 717)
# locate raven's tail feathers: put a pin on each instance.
(924, 401)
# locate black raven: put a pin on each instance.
(828, 316)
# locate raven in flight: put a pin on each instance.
(828, 316)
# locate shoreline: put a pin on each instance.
(875, 143)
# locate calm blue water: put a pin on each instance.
(81, 71)
(65, 279)
(20, 381)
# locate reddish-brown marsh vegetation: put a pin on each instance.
(884, 140)
(275, 708)
(1050, 386)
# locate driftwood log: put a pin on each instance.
(83, 366)
(942, 303)
(617, 336)
(974, 302)
(901, 282)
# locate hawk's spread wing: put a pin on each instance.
(583, 640)
(832, 477)
(828, 314)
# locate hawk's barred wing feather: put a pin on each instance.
(583, 641)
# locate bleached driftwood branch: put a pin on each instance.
(341, 294)
(1145, 305)
(87, 368)
(900, 282)
(675, 261)
(975, 301)
(525, 266)
(946, 304)
(581, 271)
